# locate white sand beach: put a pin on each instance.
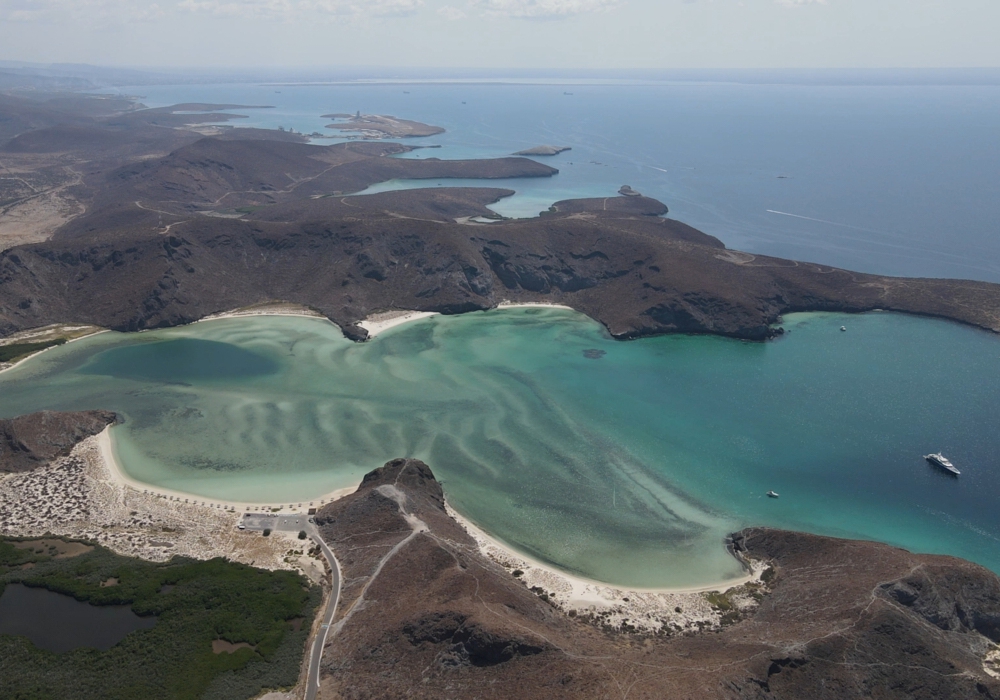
(648, 609)
(532, 304)
(381, 322)
(83, 496)
(117, 473)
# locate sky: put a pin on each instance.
(496, 34)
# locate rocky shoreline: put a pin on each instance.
(424, 610)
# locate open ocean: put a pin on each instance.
(899, 180)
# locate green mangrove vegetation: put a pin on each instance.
(223, 631)
(17, 351)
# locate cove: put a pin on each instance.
(60, 623)
(626, 462)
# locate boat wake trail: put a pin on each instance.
(809, 218)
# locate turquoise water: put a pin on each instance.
(624, 461)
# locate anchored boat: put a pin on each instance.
(939, 460)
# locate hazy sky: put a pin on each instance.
(543, 34)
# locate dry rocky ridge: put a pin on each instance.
(170, 226)
(31, 441)
(424, 614)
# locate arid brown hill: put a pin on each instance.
(424, 615)
(224, 222)
(347, 257)
(33, 440)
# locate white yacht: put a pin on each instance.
(939, 460)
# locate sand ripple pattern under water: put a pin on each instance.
(626, 462)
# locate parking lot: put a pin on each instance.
(274, 522)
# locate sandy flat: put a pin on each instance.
(379, 323)
(531, 304)
(117, 474)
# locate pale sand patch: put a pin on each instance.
(381, 322)
(648, 610)
(991, 664)
(36, 219)
(532, 304)
(271, 309)
(79, 497)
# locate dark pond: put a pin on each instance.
(59, 623)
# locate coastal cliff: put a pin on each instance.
(423, 613)
(221, 223)
(616, 260)
(34, 440)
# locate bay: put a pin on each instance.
(627, 462)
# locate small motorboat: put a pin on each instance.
(772, 494)
(843, 329)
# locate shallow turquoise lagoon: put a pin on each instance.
(628, 462)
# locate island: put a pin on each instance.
(543, 151)
(381, 126)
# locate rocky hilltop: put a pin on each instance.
(423, 614)
(34, 440)
(146, 254)
(158, 225)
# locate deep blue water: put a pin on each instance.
(901, 180)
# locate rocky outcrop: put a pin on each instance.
(33, 440)
(637, 274)
(284, 228)
(423, 614)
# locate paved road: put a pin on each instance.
(298, 523)
(316, 653)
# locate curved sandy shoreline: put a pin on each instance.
(381, 322)
(569, 590)
(117, 471)
(577, 591)
(584, 590)
(36, 354)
